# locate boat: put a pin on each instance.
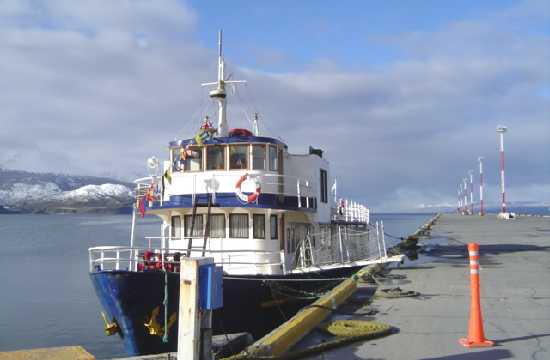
(270, 219)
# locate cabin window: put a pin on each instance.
(238, 226)
(217, 226)
(191, 158)
(273, 163)
(175, 229)
(324, 189)
(258, 157)
(197, 228)
(174, 158)
(273, 227)
(238, 156)
(258, 226)
(215, 157)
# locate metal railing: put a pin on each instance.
(211, 183)
(113, 258)
(350, 211)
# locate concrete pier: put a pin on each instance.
(53, 353)
(515, 294)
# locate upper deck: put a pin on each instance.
(231, 169)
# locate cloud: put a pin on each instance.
(97, 87)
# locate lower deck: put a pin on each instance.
(245, 241)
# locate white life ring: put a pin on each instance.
(244, 197)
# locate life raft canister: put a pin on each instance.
(244, 197)
(240, 132)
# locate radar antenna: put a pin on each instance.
(219, 93)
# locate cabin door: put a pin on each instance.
(297, 252)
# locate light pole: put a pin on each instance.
(471, 173)
(465, 183)
(500, 131)
(481, 209)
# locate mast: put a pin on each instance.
(255, 128)
(218, 94)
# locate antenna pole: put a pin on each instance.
(220, 35)
(219, 93)
(255, 127)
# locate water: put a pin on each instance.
(399, 225)
(46, 296)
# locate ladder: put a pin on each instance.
(206, 228)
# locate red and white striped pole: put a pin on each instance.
(501, 130)
(465, 184)
(471, 173)
(459, 209)
(481, 209)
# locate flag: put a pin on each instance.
(198, 139)
(141, 206)
(168, 176)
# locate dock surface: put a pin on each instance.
(515, 294)
(53, 353)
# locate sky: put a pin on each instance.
(403, 97)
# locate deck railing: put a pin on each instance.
(350, 211)
(112, 258)
(202, 183)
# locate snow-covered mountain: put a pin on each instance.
(34, 192)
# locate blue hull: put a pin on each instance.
(249, 306)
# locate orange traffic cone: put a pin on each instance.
(476, 336)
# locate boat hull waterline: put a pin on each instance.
(254, 304)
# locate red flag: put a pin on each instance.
(141, 206)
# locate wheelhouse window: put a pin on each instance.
(175, 227)
(191, 158)
(273, 227)
(215, 157)
(217, 225)
(258, 157)
(197, 228)
(238, 226)
(258, 226)
(273, 161)
(238, 156)
(324, 189)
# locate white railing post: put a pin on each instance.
(378, 241)
(383, 238)
(90, 252)
(132, 234)
(341, 244)
(348, 241)
(136, 259)
(307, 194)
(101, 256)
(346, 210)
(312, 251)
(298, 193)
(117, 263)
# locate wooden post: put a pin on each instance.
(190, 319)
